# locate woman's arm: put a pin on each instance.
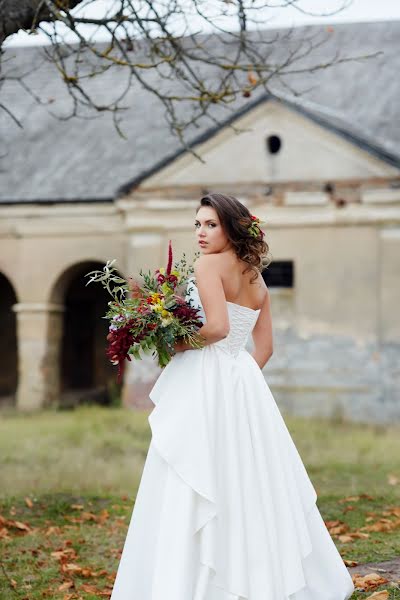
(262, 334)
(208, 271)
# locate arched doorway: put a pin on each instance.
(8, 347)
(86, 374)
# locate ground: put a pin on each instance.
(68, 482)
(390, 569)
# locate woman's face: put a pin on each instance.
(210, 234)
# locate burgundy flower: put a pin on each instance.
(172, 279)
(119, 342)
(169, 266)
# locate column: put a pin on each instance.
(39, 332)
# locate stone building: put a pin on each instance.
(322, 169)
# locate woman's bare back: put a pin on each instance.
(237, 286)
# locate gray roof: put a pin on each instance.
(84, 159)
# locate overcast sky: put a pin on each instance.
(357, 10)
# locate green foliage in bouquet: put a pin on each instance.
(151, 317)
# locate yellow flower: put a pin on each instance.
(176, 273)
(165, 313)
(166, 288)
(162, 270)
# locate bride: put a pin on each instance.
(225, 509)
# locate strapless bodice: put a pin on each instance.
(241, 320)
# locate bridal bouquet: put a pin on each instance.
(148, 317)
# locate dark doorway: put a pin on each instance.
(8, 348)
(86, 373)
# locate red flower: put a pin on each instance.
(169, 266)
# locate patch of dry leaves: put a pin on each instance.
(65, 555)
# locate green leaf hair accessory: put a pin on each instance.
(255, 228)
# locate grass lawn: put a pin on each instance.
(68, 482)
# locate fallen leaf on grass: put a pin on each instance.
(53, 530)
(383, 525)
(382, 595)
(355, 498)
(343, 533)
(366, 583)
(359, 535)
(64, 555)
(74, 569)
(392, 479)
(71, 568)
(336, 527)
(11, 524)
(350, 563)
(345, 539)
(349, 499)
(28, 502)
(91, 589)
(67, 585)
(19, 525)
(394, 511)
(88, 516)
(4, 533)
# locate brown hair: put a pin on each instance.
(236, 218)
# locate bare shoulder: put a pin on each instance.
(266, 298)
(260, 281)
(262, 284)
(208, 262)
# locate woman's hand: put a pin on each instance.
(180, 345)
(134, 288)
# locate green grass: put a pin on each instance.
(87, 451)
(86, 464)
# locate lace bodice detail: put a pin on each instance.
(241, 320)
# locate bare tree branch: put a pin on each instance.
(27, 14)
(153, 45)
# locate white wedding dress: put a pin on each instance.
(225, 509)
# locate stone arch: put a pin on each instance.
(86, 374)
(8, 348)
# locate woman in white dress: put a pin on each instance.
(225, 509)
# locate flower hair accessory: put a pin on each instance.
(255, 228)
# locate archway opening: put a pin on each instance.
(8, 347)
(87, 376)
